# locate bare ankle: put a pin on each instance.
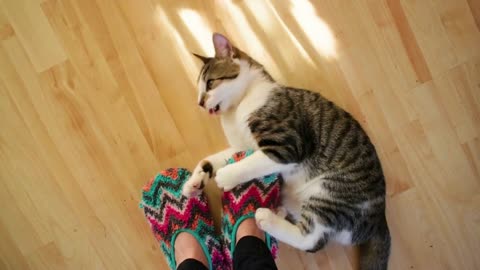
(249, 227)
(187, 247)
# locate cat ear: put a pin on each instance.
(223, 47)
(203, 58)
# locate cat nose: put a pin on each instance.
(202, 102)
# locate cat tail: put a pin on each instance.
(375, 252)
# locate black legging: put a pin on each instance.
(250, 253)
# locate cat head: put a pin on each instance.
(225, 77)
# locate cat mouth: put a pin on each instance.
(214, 110)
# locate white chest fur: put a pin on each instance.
(237, 132)
(235, 121)
(298, 188)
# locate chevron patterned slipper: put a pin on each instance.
(169, 213)
(241, 202)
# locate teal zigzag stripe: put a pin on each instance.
(153, 195)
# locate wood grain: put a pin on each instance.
(96, 96)
(32, 28)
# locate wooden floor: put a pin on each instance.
(96, 96)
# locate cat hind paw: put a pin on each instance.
(264, 218)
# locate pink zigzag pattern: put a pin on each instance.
(244, 201)
(253, 193)
(184, 216)
(167, 211)
(191, 203)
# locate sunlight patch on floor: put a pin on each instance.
(188, 60)
(295, 41)
(199, 29)
(251, 44)
(316, 30)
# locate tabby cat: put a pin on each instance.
(334, 187)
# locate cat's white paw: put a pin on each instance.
(195, 184)
(227, 178)
(282, 212)
(264, 218)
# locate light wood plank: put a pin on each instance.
(430, 35)
(459, 24)
(36, 35)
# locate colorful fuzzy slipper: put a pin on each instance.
(241, 203)
(170, 213)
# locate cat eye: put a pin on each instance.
(210, 84)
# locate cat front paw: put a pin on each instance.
(282, 212)
(227, 178)
(199, 178)
(264, 218)
(194, 185)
